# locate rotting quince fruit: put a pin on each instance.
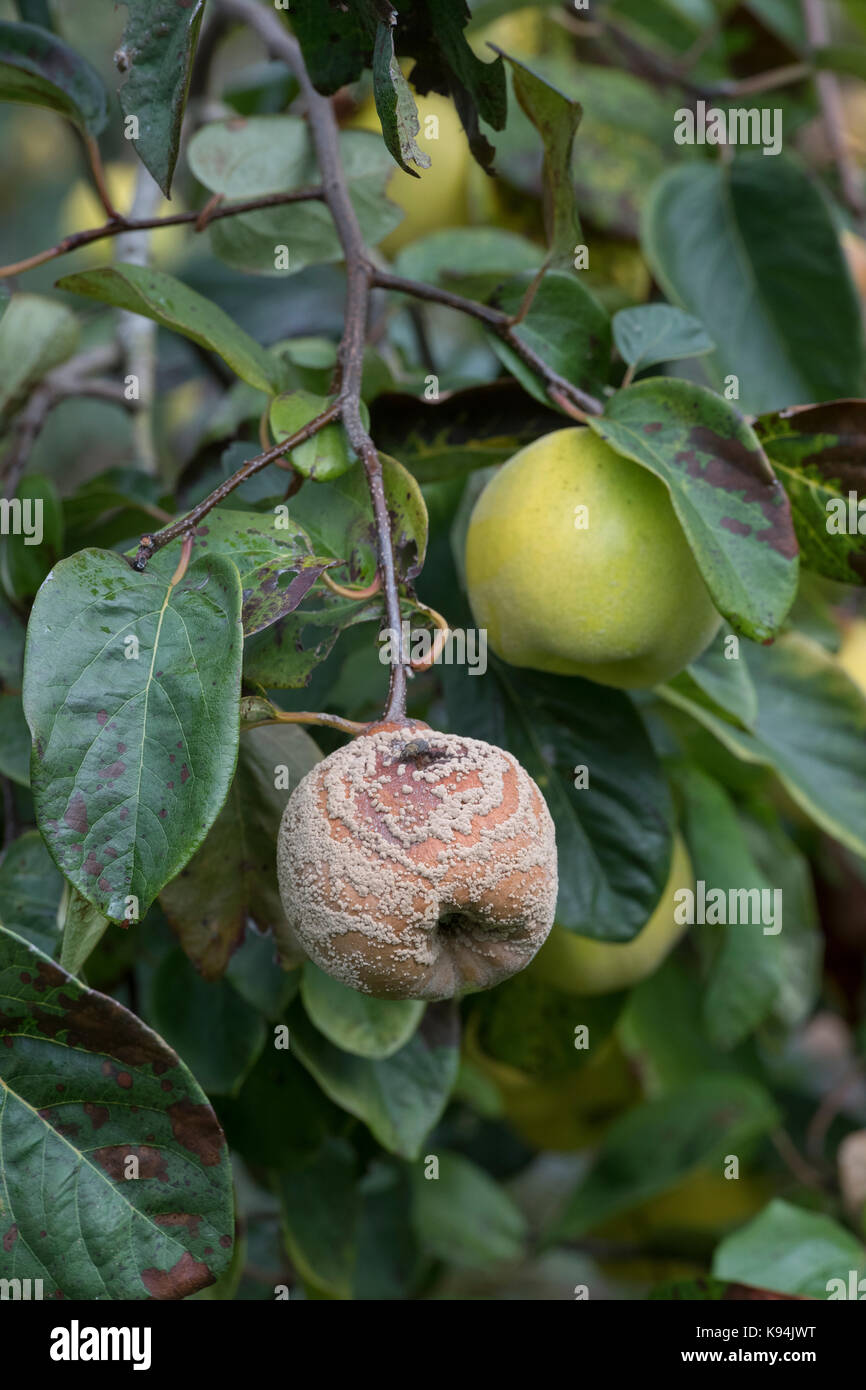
(580, 965)
(418, 865)
(577, 564)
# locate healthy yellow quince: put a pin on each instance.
(580, 965)
(576, 564)
(438, 198)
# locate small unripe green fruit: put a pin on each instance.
(577, 564)
(580, 965)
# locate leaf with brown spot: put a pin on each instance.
(734, 511)
(819, 454)
(83, 1111)
(233, 877)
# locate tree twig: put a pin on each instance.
(833, 114)
(70, 379)
(325, 137)
(499, 323)
(118, 225)
(150, 544)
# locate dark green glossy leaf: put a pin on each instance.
(462, 1215)
(320, 1202)
(116, 1173)
(233, 876)
(614, 834)
(715, 231)
(355, 1022)
(720, 680)
(172, 304)
(14, 734)
(746, 973)
(566, 327)
(648, 1150)
(133, 755)
(298, 1116)
(810, 730)
(653, 333)
(735, 514)
(792, 1250)
(466, 430)
(157, 53)
(399, 1098)
(819, 454)
(30, 892)
(217, 1032)
(38, 68)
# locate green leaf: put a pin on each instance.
(819, 454)
(233, 877)
(338, 517)
(400, 1098)
(320, 1203)
(41, 70)
(790, 1250)
(810, 731)
(82, 930)
(14, 733)
(285, 656)
(837, 57)
(395, 103)
(299, 1116)
(461, 432)
(556, 117)
(721, 682)
(216, 1032)
(328, 453)
(131, 692)
(459, 251)
(256, 975)
(30, 892)
(653, 333)
(461, 1215)
(272, 154)
(172, 304)
(36, 334)
(566, 327)
(751, 249)
(357, 1023)
(275, 563)
(531, 1026)
(734, 512)
(613, 835)
(24, 564)
(649, 1149)
(161, 1234)
(157, 52)
(746, 972)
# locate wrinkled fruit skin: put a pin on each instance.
(621, 602)
(418, 875)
